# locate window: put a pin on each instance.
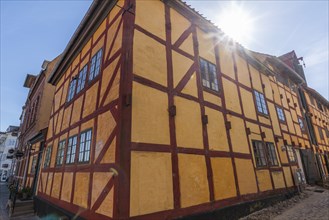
(60, 153)
(82, 78)
(71, 90)
(301, 124)
(260, 102)
(33, 165)
(47, 157)
(95, 65)
(291, 154)
(320, 133)
(265, 154)
(71, 149)
(209, 76)
(259, 153)
(280, 114)
(84, 149)
(271, 154)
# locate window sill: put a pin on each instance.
(263, 115)
(214, 92)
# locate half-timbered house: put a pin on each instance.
(157, 114)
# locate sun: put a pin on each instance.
(236, 22)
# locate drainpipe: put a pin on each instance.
(27, 162)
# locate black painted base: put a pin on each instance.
(49, 211)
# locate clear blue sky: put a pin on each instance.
(32, 31)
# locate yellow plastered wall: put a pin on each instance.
(56, 185)
(64, 90)
(58, 123)
(179, 25)
(150, 119)
(268, 88)
(206, 46)
(81, 189)
(212, 98)
(188, 134)
(243, 73)
(289, 122)
(238, 135)
(77, 110)
(57, 100)
(298, 130)
(44, 180)
(255, 78)
(288, 176)
(274, 118)
(294, 115)
(284, 97)
(278, 179)
(248, 104)
(181, 65)
(226, 61)
(264, 120)
(231, 96)
(283, 155)
(264, 180)
(66, 117)
(90, 100)
(223, 177)
(268, 134)
(217, 137)
(276, 93)
(110, 36)
(50, 128)
(193, 180)
(49, 181)
(105, 126)
(99, 30)
(100, 179)
(67, 187)
(151, 188)
(106, 208)
(146, 11)
(149, 58)
(246, 176)
(85, 49)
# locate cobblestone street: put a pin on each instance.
(4, 195)
(311, 204)
(315, 207)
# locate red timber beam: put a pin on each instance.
(172, 126)
(122, 191)
(203, 113)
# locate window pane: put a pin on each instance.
(208, 74)
(85, 145)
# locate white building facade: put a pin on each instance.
(8, 140)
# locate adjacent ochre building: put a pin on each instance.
(157, 115)
(34, 124)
